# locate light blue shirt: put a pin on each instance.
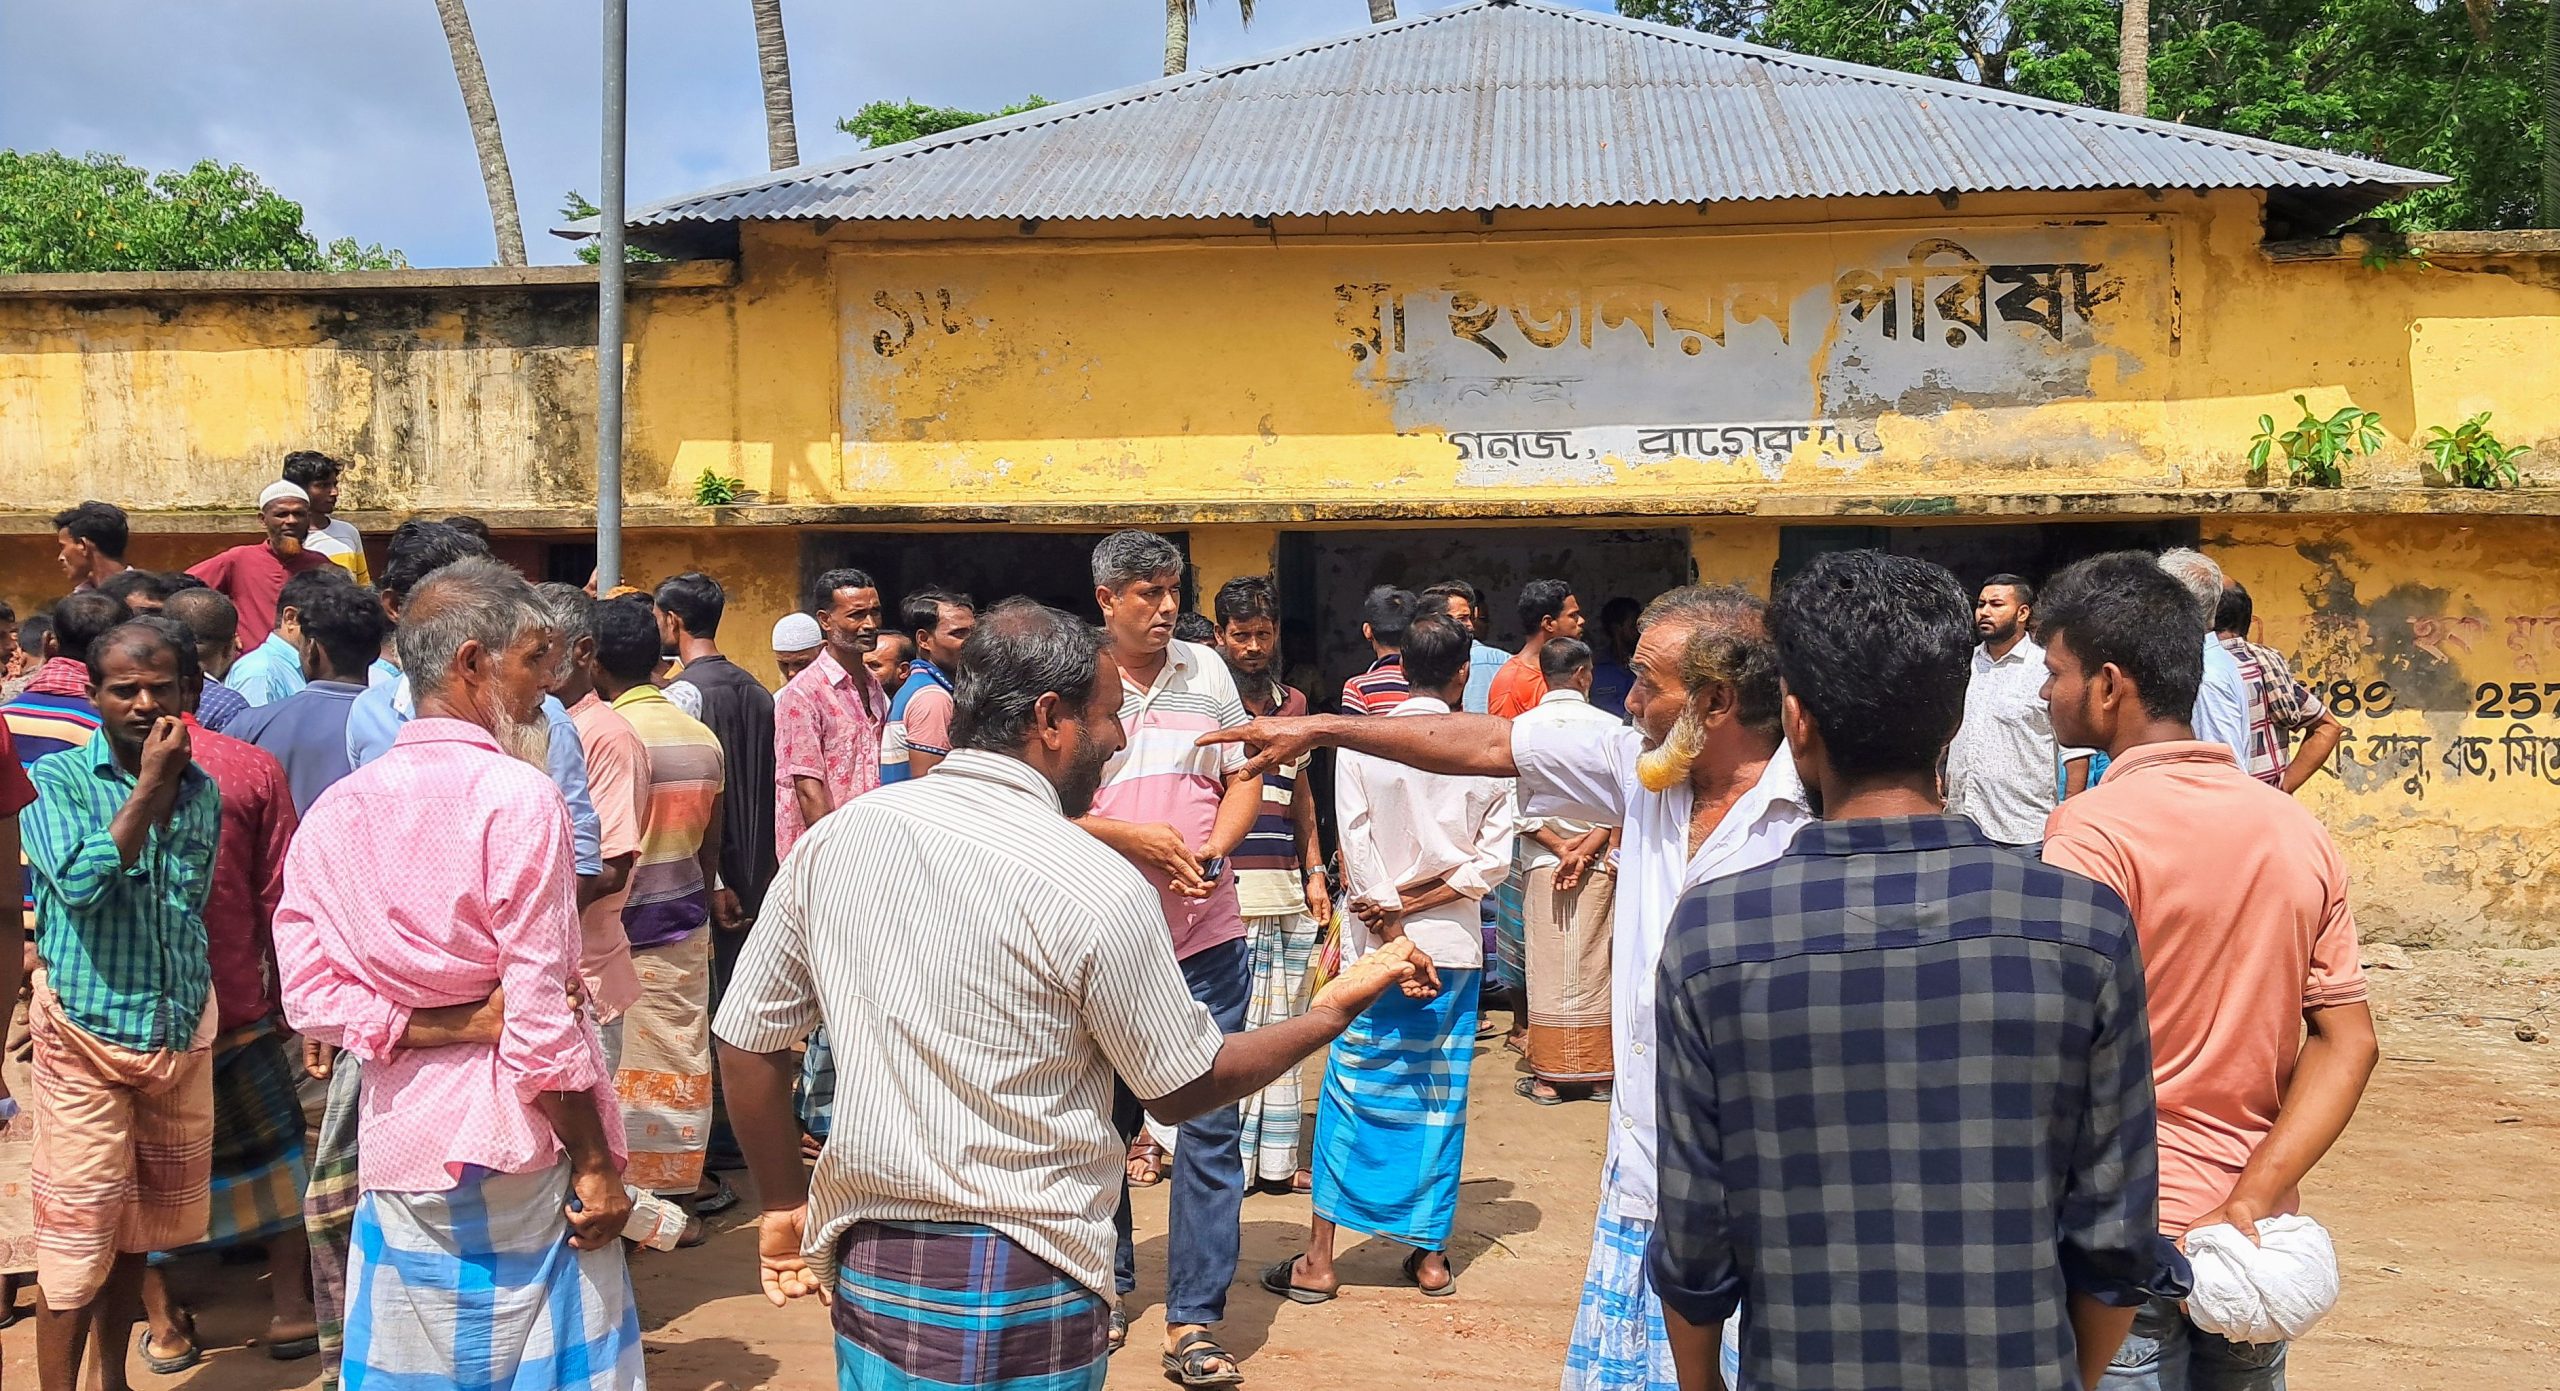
(2222, 702)
(272, 670)
(375, 720)
(1484, 662)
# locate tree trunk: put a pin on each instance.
(781, 137)
(1177, 36)
(2133, 60)
(483, 111)
(2551, 115)
(1380, 11)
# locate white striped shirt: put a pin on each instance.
(977, 1015)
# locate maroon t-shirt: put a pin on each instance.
(253, 579)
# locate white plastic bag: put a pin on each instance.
(2272, 1291)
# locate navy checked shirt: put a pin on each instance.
(1906, 1110)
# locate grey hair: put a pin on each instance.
(1021, 651)
(2200, 575)
(1728, 641)
(1126, 557)
(472, 600)
(572, 610)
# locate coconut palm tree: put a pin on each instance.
(781, 137)
(1178, 15)
(2133, 60)
(483, 111)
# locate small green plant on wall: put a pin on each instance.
(712, 490)
(2316, 450)
(2470, 456)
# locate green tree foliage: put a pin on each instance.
(61, 213)
(892, 122)
(2445, 85)
(576, 208)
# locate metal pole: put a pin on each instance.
(609, 278)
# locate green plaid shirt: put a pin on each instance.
(123, 946)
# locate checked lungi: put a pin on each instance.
(1618, 1339)
(1511, 920)
(1391, 1122)
(124, 1149)
(1271, 1117)
(477, 1287)
(664, 1076)
(258, 1165)
(329, 1210)
(929, 1306)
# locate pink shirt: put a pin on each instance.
(826, 725)
(2240, 899)
(618, 784)
(1161, 774)
(429, 877)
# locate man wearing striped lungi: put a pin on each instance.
(965, 1228)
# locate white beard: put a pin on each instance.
(528, 740)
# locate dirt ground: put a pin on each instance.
(2444, 1198)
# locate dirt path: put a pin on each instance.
(2444, 1196)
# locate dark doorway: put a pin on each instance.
(1324, 575)
(1054, 567)
(2036, 550)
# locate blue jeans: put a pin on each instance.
(2165, 1352)
(1207, 1201)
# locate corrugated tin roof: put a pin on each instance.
(1518, 104)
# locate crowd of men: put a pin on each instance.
(1873, 913)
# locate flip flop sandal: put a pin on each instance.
(1189, 1361)
(295, 1349)
(165, 1366)
(1119, 1333)
(1528, 1087)
(1152, 1157)
(1282, 1280)
(1413, 1272)
(720, 1200)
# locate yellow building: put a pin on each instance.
(1495, 293)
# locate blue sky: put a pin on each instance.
(350, 107)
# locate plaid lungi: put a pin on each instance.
(1281, 946)
(258, 1165)
(1618, 1340)
(928, 1306)
(329, 1210)
(1511, 920)
(817, 1103)
(664, 1077)
(124, 1149)
(477, 1288)
(1391, 1122)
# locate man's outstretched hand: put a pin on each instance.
(1274, 741)
(1394, 964)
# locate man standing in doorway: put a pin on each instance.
(120, 843)
(317, 475)
(2000, 769)
(1463, 602)
(739, 712)
(1384, 616)
(1177, 811)
(1701, 788)
(90, 541)
(1894, 952)
(1567, 896)
(827, 722)
(252, 576)
(919, 734)
(1280, 882)
(1419, 851)
(1548, 610)
(1611, 677)
(2259, 1027)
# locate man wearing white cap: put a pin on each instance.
(252, 576)
(796, 641)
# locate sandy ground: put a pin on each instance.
(2444, 1196)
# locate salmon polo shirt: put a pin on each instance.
(2243, 929)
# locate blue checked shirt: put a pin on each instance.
(1906, 1109)
(122, 945)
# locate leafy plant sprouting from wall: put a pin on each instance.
(2316, 450)
(712, 490)
(2471, 456)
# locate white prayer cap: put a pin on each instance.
(796, 632)
(281, 489)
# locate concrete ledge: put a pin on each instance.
(647, 275)
(1598, 507)
(2355, 246)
